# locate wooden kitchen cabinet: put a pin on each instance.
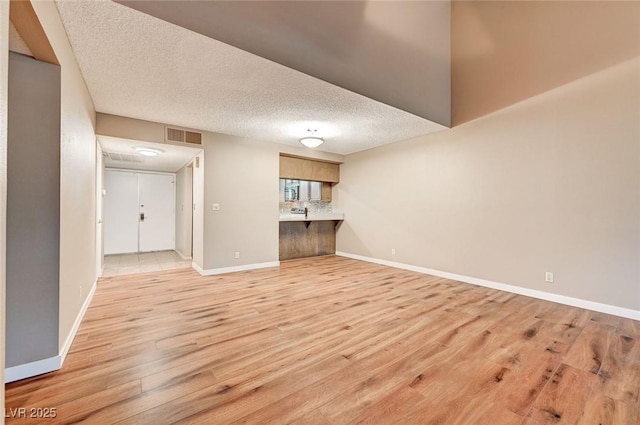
(326, 191)
(300, 239)
(308, 169)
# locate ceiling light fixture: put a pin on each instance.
(148, 151)
(312, 141)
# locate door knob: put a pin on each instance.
(142, 216)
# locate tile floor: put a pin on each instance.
(115, 265)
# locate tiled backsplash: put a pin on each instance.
(314, 206)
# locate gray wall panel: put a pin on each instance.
(33, 211)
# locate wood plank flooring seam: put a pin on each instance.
(335, 341)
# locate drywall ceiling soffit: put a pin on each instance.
(395, 52)
(139, 66)
(120, 153)
(26, 23)
(17, 43)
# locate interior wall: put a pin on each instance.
(549, 184)
(4, 82)
(129, 128)
(395, 52)
(242, 176)
(135, 129)
(77, 177)
(184, 210)
(33, 210)
(100, 169)
(507, 51)
(198, 213)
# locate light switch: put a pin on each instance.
(215, 207)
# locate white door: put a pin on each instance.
(120, 212)
(157, 219)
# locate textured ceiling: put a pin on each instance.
(397, 52)
(139, 66)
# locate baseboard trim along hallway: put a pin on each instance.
(76, 324)
(223, 270)
(27, 370)
(547, 296)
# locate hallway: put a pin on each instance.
(121, 264)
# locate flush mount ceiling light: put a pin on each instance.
(148, 151)
(312, 141)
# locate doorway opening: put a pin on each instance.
(147, 206)
(139, 211)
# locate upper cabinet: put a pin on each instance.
(308, 169)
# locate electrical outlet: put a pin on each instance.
(393, 251)
(236, 255)
(215, 207)
(548, 277)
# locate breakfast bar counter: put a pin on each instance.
(312, 217)
(309, 236)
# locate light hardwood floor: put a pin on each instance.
(331, 340)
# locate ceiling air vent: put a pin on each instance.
(193, 138)
(123, 157)
(175, 135)
(183, 136)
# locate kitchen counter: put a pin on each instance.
(307, 237)
(312, 217)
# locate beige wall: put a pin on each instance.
(99, 210)
(77, 176)
(4, 63)
(198, 214)
(131, 128)
(242, 176)
(507, 51)
(184, 210)
(548, 184)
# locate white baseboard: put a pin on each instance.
(28, 370)
(50, 364)
(76, 324)
(547, 296)
(211, 272)
(184, 257)
(197, 268)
